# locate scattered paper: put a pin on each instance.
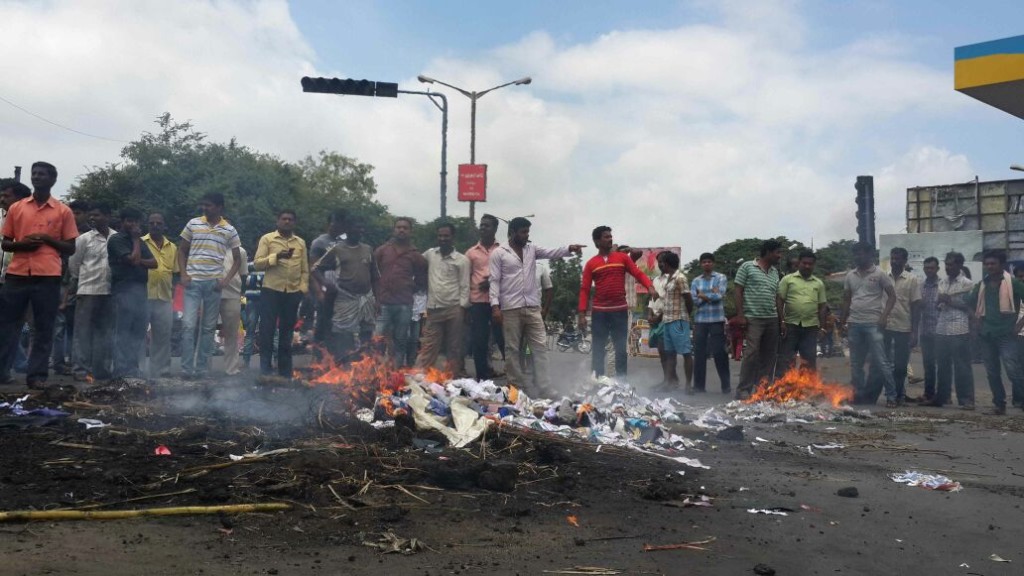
(768, 512)
(997, 558)
(927, 481)
(91, 423)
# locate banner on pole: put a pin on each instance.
(472, 182)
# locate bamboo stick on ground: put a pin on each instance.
(121, 514)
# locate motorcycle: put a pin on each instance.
(573, 338)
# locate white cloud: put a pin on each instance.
(695, 135)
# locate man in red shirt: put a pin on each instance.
(38, 230)
(403, 272)
(610, 313)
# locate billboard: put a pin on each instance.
(472, 182)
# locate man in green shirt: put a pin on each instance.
(996, 301)
(757, 284)
(801, 304)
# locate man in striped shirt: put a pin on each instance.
(610, 313)
(757, 283)
(204, 243)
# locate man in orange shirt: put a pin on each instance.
(38, 230)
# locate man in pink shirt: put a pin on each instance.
(38, 231)
(481, 325)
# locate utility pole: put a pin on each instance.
(351, 87)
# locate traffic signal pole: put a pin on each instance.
(343, 86)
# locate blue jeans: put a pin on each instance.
(202, 300)
(1001, 352)
(867, 343)
(393, 324)
(603, 325)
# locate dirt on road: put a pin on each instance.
(398, 501)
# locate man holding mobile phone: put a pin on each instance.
(282, 256)
(481, 325)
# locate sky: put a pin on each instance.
(688, 123)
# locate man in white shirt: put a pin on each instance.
(516, 299)
(94, 311)
(447, 302)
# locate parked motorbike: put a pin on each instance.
(573, 338)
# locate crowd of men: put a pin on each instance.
(92, 294)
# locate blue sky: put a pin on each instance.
(677, 123)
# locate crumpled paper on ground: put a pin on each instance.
(720, 417)
(927, 481)
(468, 424)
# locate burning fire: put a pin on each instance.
(371, 375)
(801, 384)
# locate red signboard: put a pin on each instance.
(472, 182)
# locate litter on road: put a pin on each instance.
(927, 481)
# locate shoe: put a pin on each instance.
(666, 387)
(996, 411)
(727, 390)
(698, 390)
(934, 403)
(742, 395)
(970, 408)
(891, 404)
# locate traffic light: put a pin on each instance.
(865, 209)
(349, 86)
(387, 90)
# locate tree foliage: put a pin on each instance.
(167, 171)
(835, 257)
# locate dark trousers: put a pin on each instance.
(1001, 352)
(801, 340)
(931, 362)
(709, 337)
(954, 361)
(897, 348)
(130, 321)
(482, 328)
(603, 325)
(278, 312)
(760, 353)
(42, 293)
(324, 315)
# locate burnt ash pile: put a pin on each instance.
(237, 442)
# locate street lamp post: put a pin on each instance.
(473, 97)
(443, 107)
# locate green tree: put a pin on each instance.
(836, 257)
(331, 181)
(566, 275)
(425, 235)
(168, 171)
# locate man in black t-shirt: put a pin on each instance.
(130, 260)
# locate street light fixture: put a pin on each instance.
(473, 97)
(1017, 167)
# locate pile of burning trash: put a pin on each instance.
(606, 413)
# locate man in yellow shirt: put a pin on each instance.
(159, 296)
(801, 306)
(282, 256)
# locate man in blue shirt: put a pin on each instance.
(708, 289)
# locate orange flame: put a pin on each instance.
(801, 384)
(370, 375)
